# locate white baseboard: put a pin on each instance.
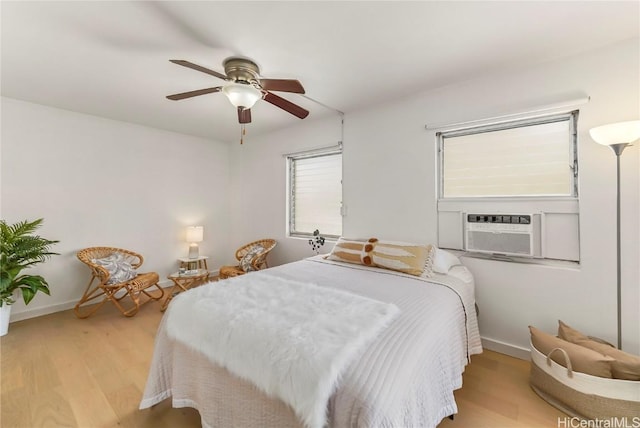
(506, 348)
(38, 312)
(59, 307)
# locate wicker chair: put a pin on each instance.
(258, 262)
(132, 288)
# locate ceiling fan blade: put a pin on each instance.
(244, 115)
(285, 105)
(283, 85)
(198, 68)
(182, 96)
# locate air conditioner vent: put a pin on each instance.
(508, 234)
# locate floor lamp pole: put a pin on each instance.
(617, 149)
(617, 136)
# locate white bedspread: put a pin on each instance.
(292, 340)
(404, 378)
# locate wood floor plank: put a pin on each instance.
(59, 371)
(15, 409)
(37, 374)
(121, 399)
(92, 409)
(51, 409)
(500, 405)
(163, 415)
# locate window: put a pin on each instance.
(315, 192)
(510, 169)
(530, 158)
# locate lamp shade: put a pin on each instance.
(242, 95)
(616, 133)
(195, 233)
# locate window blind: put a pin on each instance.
(535, 159)
(316, 194)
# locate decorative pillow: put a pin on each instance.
(404, 257)
(444, 260)
(572, 335)
(247, 259)
(119, 269)
(625, 366)
(583, 360)
(351, 251)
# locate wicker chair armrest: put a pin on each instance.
(101, 273)
(134, 259)
(241, 252)
(260, 261)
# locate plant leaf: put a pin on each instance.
(20, 248)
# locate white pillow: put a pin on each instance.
(247, 259)
(119, 269)
(462, 273)
(444, 260)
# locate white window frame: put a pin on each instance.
(559, 230)
(571, 116)
(291, 158)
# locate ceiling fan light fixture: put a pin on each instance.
(242, 95)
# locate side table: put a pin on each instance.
(183, 282)
(197, 263)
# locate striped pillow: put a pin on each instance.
(351, 251)
(413, 259)
(403, 257)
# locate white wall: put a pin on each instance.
(70, 168)
(99, 182)
(258, 196)
(389, 187)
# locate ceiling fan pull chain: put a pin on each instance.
(243, 132)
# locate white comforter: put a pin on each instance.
(405, 378)
(291, 339)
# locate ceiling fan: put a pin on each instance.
(246, 87)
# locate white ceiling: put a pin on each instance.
(110, 59)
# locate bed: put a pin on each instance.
(404, 376)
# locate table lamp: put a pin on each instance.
(194, 235)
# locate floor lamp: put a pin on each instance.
(617, 136)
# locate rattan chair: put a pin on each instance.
(133, 288)
(258, 262)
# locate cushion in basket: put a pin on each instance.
(247, 259)
(625, 366)
(583, 360)
(414, 259)
(119, 269)
(571, 334)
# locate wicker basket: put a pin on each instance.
(581, 395)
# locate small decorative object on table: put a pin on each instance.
(317, 241)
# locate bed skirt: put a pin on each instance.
(222, 399)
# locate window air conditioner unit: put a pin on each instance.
(503, 234)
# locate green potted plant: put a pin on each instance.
(20, 249)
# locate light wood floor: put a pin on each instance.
(59, 371)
